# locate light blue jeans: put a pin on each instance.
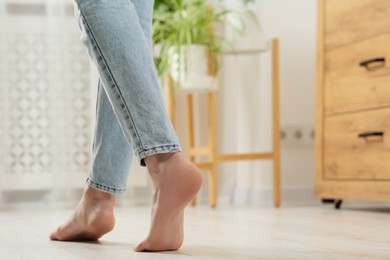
(131, 113)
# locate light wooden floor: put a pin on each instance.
(222, 233)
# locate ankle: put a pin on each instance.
(158, 162)
(97, 195)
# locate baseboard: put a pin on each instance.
(142, 196)
(264, 197)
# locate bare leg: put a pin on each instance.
(176, 182)
(92, 218)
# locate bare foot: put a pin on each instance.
(176, 182)
(92, 218)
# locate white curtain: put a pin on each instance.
(45, 97)
(248, 124)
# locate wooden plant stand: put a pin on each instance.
(210, 150)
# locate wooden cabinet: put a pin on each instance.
(353, 100)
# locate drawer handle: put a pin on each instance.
(368, 134)
(366, 63)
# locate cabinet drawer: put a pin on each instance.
(349, 21)
(348, 156)
(350, 86)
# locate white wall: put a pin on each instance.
(245, 102)
(294, 23)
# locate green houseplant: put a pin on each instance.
(188, 37)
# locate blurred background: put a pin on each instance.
(47, 106)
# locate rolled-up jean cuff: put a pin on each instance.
(105, 188)
(167, 148)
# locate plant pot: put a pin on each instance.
(190, 69)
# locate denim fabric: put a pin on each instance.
(131, 114)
